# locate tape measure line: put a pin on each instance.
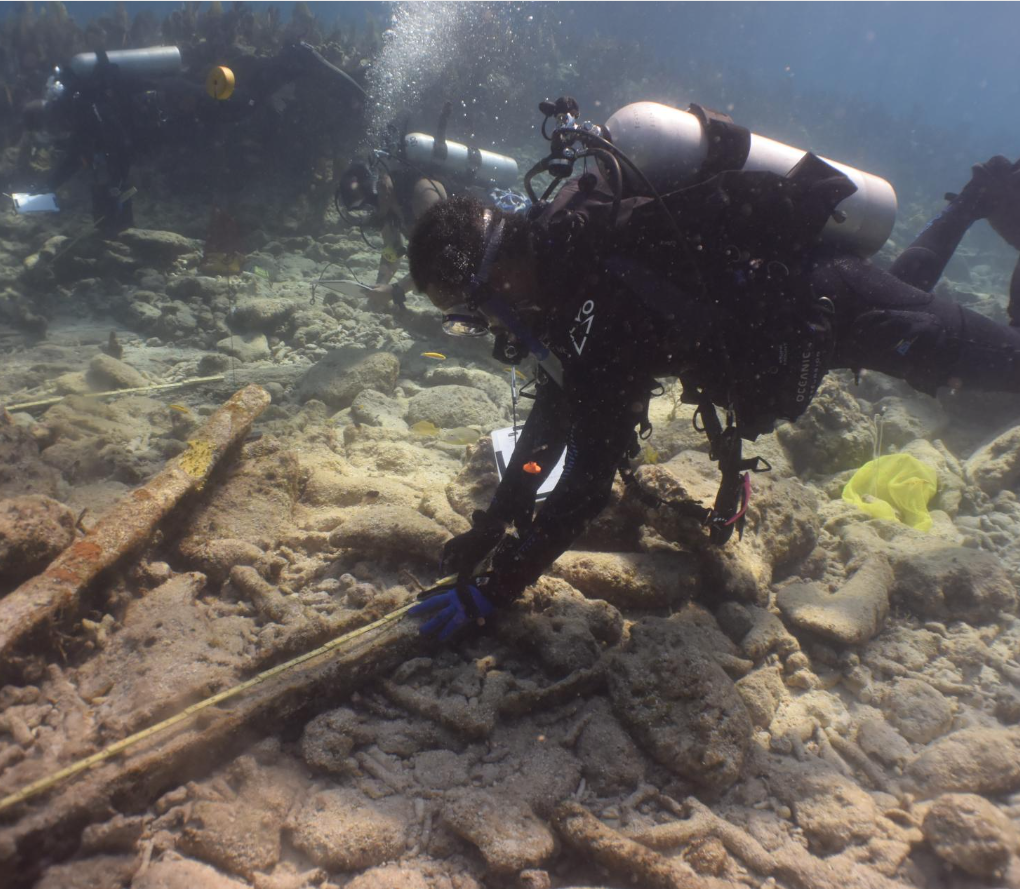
(82, 765)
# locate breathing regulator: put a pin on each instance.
(648, 149)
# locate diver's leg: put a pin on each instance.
(1013, 310)
(992, 189)
(886, 325)
(923, 262)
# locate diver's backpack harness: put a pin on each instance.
(734, 494)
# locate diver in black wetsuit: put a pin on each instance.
(109, 117)
(606, 309)
(113, 113)
(398, 198)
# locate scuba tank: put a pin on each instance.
(472, 165)
(153, 61)
(672, 148)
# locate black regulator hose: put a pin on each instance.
(539, 168)
(609, 159)
(606, 145)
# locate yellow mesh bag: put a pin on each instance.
(896, 487)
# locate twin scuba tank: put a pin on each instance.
(671, 148)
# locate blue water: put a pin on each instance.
(950, 64)
(947, 64)
(913, 91)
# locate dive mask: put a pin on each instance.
(483, 308)
(463, 321)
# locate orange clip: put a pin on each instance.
(532, 468)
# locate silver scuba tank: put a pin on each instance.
(153, 61)
(669, 146)
(486, 167)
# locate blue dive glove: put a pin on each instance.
(451, 609)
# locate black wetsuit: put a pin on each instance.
(110, 118)
(747, 332)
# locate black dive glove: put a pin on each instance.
(1005, 214)
(993, 193)
(463, 553)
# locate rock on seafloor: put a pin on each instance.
(507, 832)
(245, 347)
(680, 705)
(953, 583)
(851, 616)
(106, 372)
(183, 873)
(339, 377)
(34, 529)
(975, 760)
(634, 580)
(969, 832)
(996, 466)
(158, 247)
(919, 712)
(449, 406)
(344, 830)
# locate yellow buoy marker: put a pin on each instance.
(220, 83)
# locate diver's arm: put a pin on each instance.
(540, 442)
(596, 444)
(994, 187)
(393, 249)
(393, 244)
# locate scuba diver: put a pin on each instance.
(397, 199)
(114, 107)
(741, 269)
(404, 182)
(107, 105)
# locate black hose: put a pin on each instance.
(606, 145)
(540, 167)
(548, 193)
(608, 158)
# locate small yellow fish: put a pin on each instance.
(459, 435)
(651, 455)
(439, 356)
(180, 408)
(425, 428)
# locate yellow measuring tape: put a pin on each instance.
(81, 765)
